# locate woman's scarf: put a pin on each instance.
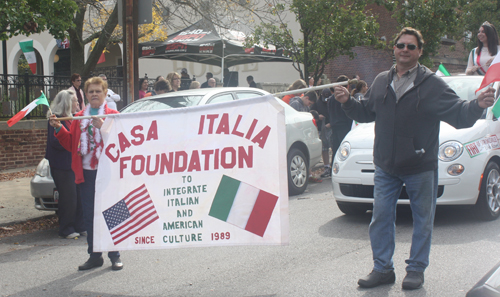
(90, 139)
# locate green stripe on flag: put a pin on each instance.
(223, 200)
(42, 100)
(496, 109)
(443, 70)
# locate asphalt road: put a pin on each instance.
(328, 252)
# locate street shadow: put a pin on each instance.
(21, 247)
(65, 286)
(452, 225)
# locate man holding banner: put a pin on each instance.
(85, 143)
(407, 104)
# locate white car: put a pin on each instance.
(468, 163)
(302, 141)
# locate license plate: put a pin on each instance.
(56, 195)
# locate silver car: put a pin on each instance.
(302, 140)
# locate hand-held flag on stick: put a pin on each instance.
(493, 73)
(442, 71)
(29, 53)
(40, 100)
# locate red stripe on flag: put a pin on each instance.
(33, 68)
(492, 75)
(135, 231)
(17, 118)
(130, 225)
(261, 213)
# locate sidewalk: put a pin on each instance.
(16, 202)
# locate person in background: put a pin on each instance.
(195, 85)
(143, 88)
(321, 106)
(69, 212)
(480, 58)
(353, 82)
(340, 123)
(298, 84)
(162, 86)
(209, 75)
(159, 77)
(185, 80)
(360, 90)
(175, 81)
(311, 81)
(212, 83)
(303, 104)
(111, 97)
(407, 104)
(84, 141)
(250, 82)
(76, 82)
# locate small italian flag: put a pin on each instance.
(40, 100)
(29, 54)
(243, 205)
(442, 71)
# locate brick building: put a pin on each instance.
(369, 61)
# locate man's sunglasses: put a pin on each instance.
(409, 46)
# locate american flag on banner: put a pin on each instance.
(130, 215)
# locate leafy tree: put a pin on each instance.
(101, 36)
(329, 28)
(34, 16)
(434, 18)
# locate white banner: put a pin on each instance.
(211, 175)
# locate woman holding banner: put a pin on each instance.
(480, 58)
(85, 143)
(70, 205)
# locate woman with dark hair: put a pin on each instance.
(76, 82)
(70, 214)
(480, 58)
(360, 90)
(83, 139)
(143, 88)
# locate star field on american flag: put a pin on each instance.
(116, 214)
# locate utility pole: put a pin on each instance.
(130, 49)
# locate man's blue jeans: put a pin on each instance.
(422, 191)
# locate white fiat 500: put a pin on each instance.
(468, 161)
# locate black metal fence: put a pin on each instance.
(17, 91)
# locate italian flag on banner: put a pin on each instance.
(40, 100)
(29, 53)
(243, 205)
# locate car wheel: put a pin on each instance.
(488, 202)
(298, 172)
(353, 209)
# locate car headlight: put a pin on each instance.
(43, 168)
(450, 151)
(344, 151)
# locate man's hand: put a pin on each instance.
(486, 98)
(341, 94)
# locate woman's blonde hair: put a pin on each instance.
(62, 104)
(298, 84)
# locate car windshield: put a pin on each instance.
(464, 86)
(162, 103)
